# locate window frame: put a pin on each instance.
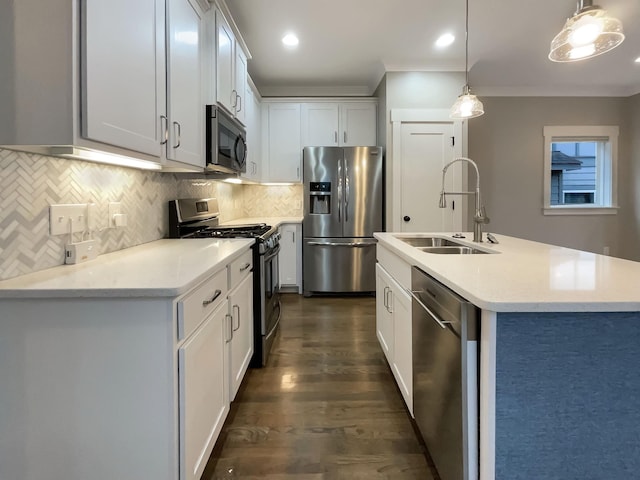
(581, 133)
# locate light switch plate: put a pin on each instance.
(67, 218)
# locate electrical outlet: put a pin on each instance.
(115, 210)
(67, 218)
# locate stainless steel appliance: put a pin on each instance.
(445, 376)
(198, 218)
(343, 206)
(226, 144)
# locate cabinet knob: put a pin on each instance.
(406, 218)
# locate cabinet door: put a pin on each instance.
(320, 124)
(402, 366)
(288, 257)
(241, 347)
(240, 85)
(254, 135)
(384, 309)
(204, 403)
(224, 64)
(123, 77)
(186, 110)
(358, 124)
(285, 151)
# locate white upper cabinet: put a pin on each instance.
(240, 85)
(185, 112)
(254, 135)
(224, 64)
(116, 77)
(231, 69)
(358, 124)
(124, 82)
(284, 149)
(341, 124)
(320, 124)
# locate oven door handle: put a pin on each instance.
(272, 254)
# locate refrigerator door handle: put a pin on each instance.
(339, 191)
(346, 192)
(343, 244)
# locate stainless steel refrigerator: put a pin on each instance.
(343, 206)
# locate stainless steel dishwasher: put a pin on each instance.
(445, 376)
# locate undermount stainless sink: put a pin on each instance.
(452, 250)
(430, 242)
(441, 245)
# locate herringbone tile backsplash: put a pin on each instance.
(30, 183)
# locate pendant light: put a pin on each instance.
(467, 105)
(590, 32)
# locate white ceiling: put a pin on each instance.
(347, 45)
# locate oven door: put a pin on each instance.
(271, 299)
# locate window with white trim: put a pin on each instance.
(580, 165)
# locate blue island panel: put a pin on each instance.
(568, 396)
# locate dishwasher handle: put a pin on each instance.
(441, 323)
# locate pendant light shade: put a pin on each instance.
(467, 105)
(590, 32)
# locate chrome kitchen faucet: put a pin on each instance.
(480, 216)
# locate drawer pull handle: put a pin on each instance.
(213, 299)
(243, 268)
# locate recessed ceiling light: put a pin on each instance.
(445, 40)
(290, 40)
(638, 60)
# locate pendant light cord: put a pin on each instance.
(466, 43)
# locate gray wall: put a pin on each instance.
(425, 90)
(507, 143)
(630, 218)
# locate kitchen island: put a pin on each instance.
(124, 367)
(559, 349)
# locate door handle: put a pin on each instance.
(216, 294)
(346, 191)
(389, 305)
(234, 309)
(342, 244)
(177, 132)
(228, 318)
(165, 129)
(441, 323)
(406, 218)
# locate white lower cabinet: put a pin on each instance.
(384, 317)
(290, 256)
(204, 402)
(393, 328)
(137, 385)
(241, 341)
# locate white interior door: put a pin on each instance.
(426, 147)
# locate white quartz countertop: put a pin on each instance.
(164, 268)
(273, 221)
(526, 276)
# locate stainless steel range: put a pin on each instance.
(198, 218)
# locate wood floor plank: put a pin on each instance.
(325, 406)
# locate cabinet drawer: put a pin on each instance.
(240, 268)
(203, 300)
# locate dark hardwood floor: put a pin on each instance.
(325, 407)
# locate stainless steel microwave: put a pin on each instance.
(226, 142)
